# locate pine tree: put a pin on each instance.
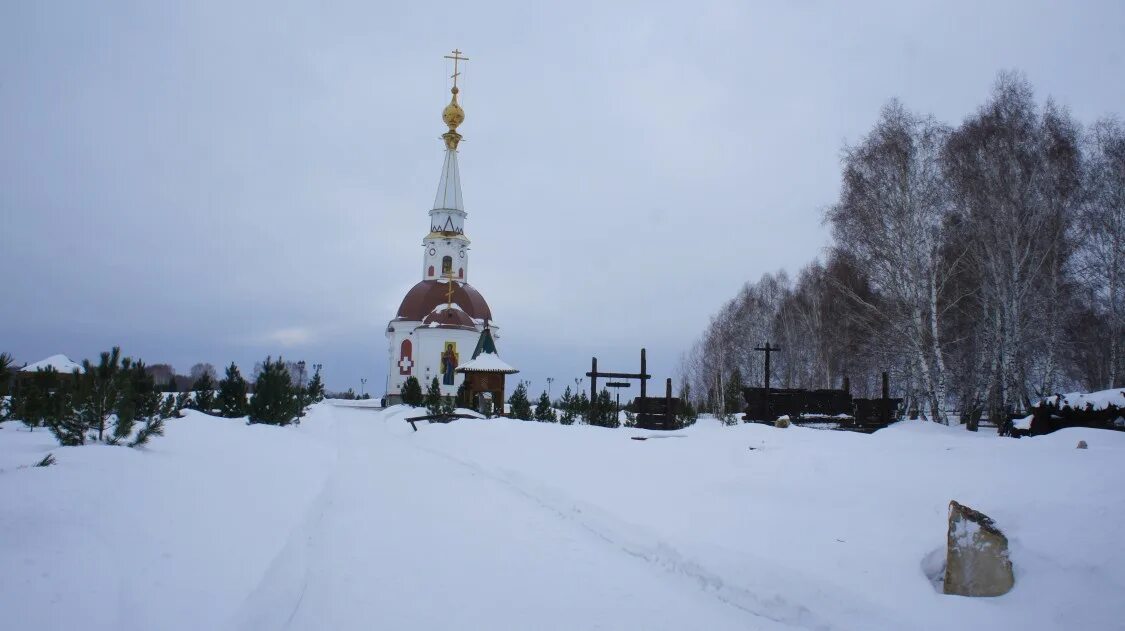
(732, 393)
(98, 391)
(582, 405)
(521, 406)
(433, 397)
(567, 405)
(463, 394)
(316, 388)
(204, 389)
(602, 412)
(543, 410)
(275, 399)
(65, 421)
(6, 363)
(232, 393)
(139, 400)
(412, 392)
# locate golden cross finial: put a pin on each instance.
(456, 57)
(449, 289)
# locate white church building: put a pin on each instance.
(440, 320)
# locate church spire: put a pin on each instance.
(449, 186)
(446, 246)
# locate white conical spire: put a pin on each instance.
(449, 186)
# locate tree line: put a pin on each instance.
(117, 400)
(569, 409)
(980, 265)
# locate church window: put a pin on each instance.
(460, 272)
(430, 272)
(446, 265)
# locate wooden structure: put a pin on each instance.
(822, 407)
(652, 412)
(658, 413)
(484, 374)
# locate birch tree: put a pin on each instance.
(891, 216)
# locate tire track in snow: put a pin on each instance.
(631, 540)
(276, 599)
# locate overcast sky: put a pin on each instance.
(217, 181)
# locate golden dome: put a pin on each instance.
(453, 115)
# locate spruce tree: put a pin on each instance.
(204, 389)
(433, 397)
(232, 394)
(275, 399)
(520, 405)
(543, 410)
(412, 392)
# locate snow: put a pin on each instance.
(487, 362)
(61, 363)
(1096, 400)
(352, 520)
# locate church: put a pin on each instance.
(443, 319)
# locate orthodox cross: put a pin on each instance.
(767, 350)
(456, 57)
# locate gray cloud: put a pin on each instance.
(202, 182)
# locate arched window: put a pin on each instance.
(460, 272)
(446, 265)
(405, 358)
(430, 272)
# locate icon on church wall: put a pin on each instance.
(449, 363)
(447, 265)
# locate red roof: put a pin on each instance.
(424, 297)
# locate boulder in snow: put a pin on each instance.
(1082, 444)
(782, 421)
(976, 561)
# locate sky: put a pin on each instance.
(217, 182)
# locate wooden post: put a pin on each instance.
(670, 419)
(644, 381)
(593, 379)
(767, 349)
(885, 404)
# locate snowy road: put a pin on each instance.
(406, 537)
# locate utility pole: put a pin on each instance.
(549, 381)
(362, 386)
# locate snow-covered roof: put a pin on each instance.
(449, 187)
(487, 362)
(1097, 400)
(61, 363)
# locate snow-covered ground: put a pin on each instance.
(354, 521)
